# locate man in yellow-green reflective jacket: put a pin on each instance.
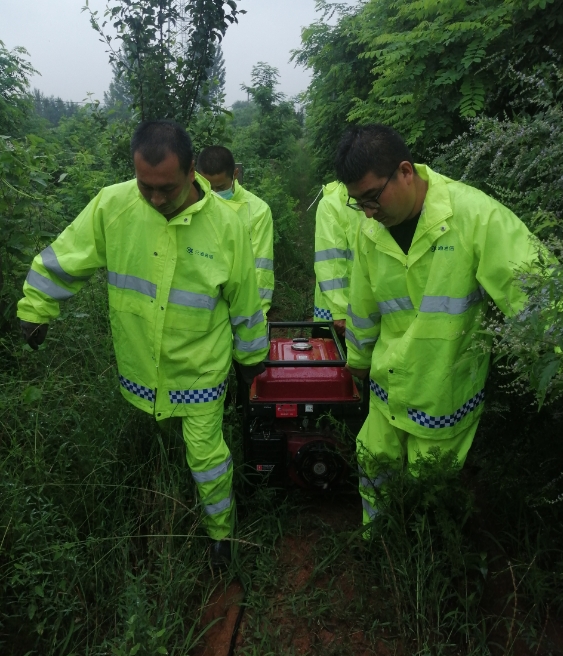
(182, 295)
(429, 255)
(335, 231)
(217, 165)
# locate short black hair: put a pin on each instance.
(373, 148)
(153, 140)
(216, 159)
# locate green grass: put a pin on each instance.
(102, 549)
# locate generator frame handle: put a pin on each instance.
(307, 363)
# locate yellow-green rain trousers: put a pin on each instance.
(335, 231)
(257, 216)
(183, 301)
(413, 319)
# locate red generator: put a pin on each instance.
(294, 414)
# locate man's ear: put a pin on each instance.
(191, 172)
(407, 170)
(235, 174)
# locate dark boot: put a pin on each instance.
(220, 554)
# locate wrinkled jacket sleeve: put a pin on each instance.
(504, 247)
(364, 320)
(62, 269)
(250, 343)
(263, 248)
(332, 253)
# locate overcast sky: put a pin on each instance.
(72, 61)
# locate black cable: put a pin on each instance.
(236, 628)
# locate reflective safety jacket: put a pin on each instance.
(335, 231)
(257, 216)
(414, 318)
(178, 290)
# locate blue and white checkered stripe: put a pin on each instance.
(321, 313)
(198, 396)
(378, 391)
(139, 390)
(446, 421)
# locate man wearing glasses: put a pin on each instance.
(424, 271)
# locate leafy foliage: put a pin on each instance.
(15, 104)
(519, 160)
(339, 79)
(432, 65)
(167, 50)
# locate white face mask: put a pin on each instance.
(227, 194)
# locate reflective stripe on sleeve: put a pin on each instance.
(335, 283)
(360, 322)
(190, 299)
(265, 293)
(450, 304)
(249, 322)
(124, 281)
(359, 343)
(47, 286)
(395, 305)
(215, 508)
(264, 263)
(214, 473)
(333, 254)
(51, 263)
(254, 345)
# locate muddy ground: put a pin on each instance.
(309, 595)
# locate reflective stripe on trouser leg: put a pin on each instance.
(211, 465)
(380, 447)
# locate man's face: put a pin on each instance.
(219, 181)
(397, 200)
(165, 186)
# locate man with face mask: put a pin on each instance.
(430, 256)
(181, 283)
(217, 165)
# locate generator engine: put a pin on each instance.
(289, 428)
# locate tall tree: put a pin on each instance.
(117, 99)
(15, 72)
(52, 109)
(213, 89)
(167, 48)
(423, 67)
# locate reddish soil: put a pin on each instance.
(224, 607)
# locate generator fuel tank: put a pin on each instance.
(312, 384)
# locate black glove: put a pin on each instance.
(34, 333)
(249, 372)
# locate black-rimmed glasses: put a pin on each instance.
(372, 203)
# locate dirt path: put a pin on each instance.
(298, 604)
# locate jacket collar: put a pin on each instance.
(185, 217)
(436, 210)
(238, 196)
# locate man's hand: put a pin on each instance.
(340, 326)
(249, 372)
(34, 333)
(358, 373)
